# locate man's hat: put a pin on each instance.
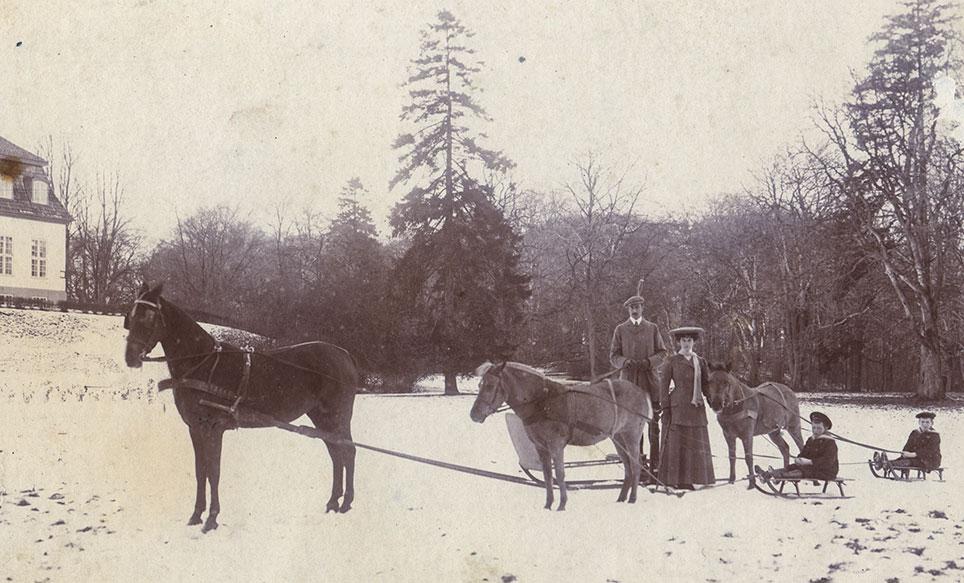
(818, 416)
(694, 331)
(634, 300)
(926, 415)
(638, 298)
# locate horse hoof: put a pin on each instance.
(194, 520)
(632, 500)
(331, 507)
(344, 508)
(561, 509)
(209, 526)
(750, 486)
(621, 499)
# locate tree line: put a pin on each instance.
(839, 268)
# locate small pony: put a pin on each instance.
(556, 415)
(744, 412)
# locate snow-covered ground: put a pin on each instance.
(96, 471)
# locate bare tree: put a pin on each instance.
(602, 218)
(105, 248)
(210, 259)
(62, 173)
(895, 169)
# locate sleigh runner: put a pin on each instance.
(777, 487)
(531, 466)
(903, 474)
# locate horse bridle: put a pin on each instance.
(492, 403)
(154, 337)
(724, 405)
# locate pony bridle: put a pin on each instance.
(154, 337)
(494, 402)
(724, 403)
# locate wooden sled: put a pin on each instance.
(532, 467)
(903, 474)
(777, 487)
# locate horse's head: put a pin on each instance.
(491, 392)
(723, 387)
(145, 325)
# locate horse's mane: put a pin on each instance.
(525, 368)
(484, 368)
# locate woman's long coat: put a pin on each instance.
(679, 370)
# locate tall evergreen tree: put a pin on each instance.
(460, 278)
(350, 297)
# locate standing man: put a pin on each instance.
(638, 350)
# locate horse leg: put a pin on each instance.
(557, 460)
(349, 462)
(213, 440)
(622, 452)
(747, 439)
(200, 474)
(337, 476)
(730, 438)
(628, 449)
(793, 428)
(337, 454)
(782, 446)
(546, 474)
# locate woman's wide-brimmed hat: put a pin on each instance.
(818, 416)
(693, 331)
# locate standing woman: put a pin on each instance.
(686, 458)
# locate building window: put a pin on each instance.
(38, 258)
(39, 192)
(6, 186)
(6, 255)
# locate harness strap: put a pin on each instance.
(196, 385)
(612, 393)
(243, 386)
(211, 388)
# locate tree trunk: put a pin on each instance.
(591, 331)
(931, 387)
(451, 384)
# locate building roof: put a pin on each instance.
(12, 151)
(53, 212)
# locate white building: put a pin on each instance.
(33, 228)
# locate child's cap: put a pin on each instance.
(818, 416)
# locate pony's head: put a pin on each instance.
(723, 387)
(491, 392)
(145, 325)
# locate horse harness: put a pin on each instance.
(541, 408)
(209, 387)
(754, 412)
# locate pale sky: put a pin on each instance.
(258, 103)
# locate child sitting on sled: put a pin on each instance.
(922, 450)
(817, 459)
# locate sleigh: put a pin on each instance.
(778, 487)
(531, 466)
(903, 474)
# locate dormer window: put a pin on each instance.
(6, 186)
(39, 192)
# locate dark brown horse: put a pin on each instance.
(556, 415)
(314, 378)
(744, 412)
